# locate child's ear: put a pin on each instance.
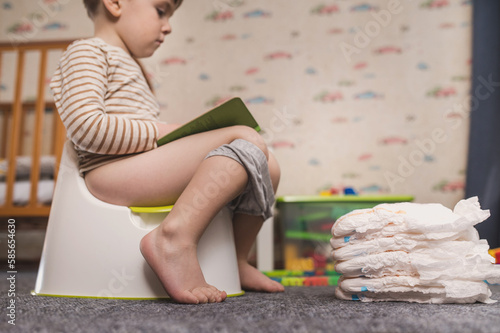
(113, 7)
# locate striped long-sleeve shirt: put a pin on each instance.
(104, 102)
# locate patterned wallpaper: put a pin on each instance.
(370, 94)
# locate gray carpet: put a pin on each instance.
(298, 309)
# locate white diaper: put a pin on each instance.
(427, 264)
(420, 294)
(406, 217)
(414, 252)
(469, 234)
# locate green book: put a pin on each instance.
(230, 113)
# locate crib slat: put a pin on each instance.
(1, 60)
(37, 136)
(5, 115)
(16, 128)
(5, 130)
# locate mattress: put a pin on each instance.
(22, 184)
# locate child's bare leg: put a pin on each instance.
(166, 175)
(246, 228)
(170, 249)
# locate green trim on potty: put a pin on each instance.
(157, 209)
(123, 298)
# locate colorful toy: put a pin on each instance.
(495, 253)
(304, 278)
(306, 222)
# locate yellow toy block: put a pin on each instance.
(292, 281)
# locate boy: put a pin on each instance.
(111, 116)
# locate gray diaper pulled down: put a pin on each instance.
(258, 196)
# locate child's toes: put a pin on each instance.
(215, 295)
(277, 287)
(221, 296)
(209, 294)
(200, 295)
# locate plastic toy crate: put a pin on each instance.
(306, 221)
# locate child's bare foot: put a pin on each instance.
(178, 269)
(252, 279)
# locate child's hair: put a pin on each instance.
(91, 6)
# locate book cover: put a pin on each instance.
(230, 113)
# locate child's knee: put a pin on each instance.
(274, 171)
(251, 135)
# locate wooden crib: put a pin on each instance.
(30, 126)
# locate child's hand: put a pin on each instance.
(164, 129)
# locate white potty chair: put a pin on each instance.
(91, 247)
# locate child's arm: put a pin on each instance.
(80, 87)
(164, 129)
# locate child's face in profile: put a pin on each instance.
(143, 25)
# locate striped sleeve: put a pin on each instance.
(80, 85)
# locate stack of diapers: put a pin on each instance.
(413, 252)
